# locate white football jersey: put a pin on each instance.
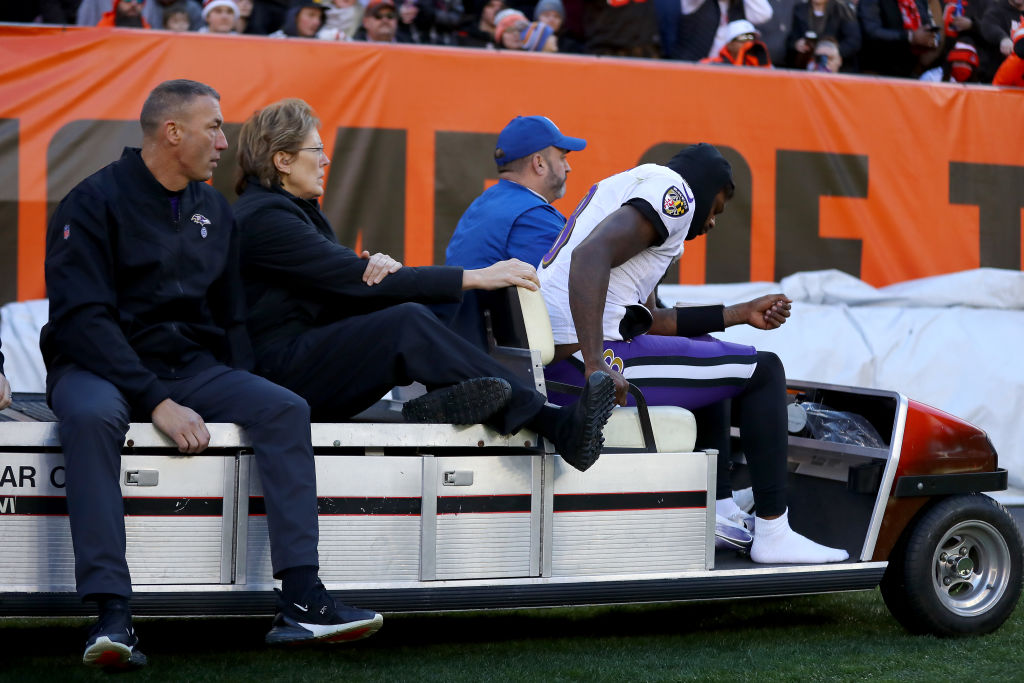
(632, 282)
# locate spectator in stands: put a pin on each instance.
(303, 20)
(514, 218)
(827, 56)
(621, 29)
(509, 25)
(552, 13)
(124, 14)
(90, 12)
(380, 24)
(268, 16)
(153, 12)
(775, 31)
(176, 18)
(314, 304)
(244, 13)
(1011, 72)
(996, 25)
(415, 21)
(514, 32)
(959, 66)
(598, 282)
(343, 19)
(55, 11)
(704, 25)
(478, 30)
(448, 17)
(819, 18)
(147, 322)
(900, 37)
(221, 16)
(743, 47)
(5, 386)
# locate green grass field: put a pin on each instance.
(830, 637)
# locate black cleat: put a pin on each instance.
(319, 619)
(580, 440)
(469, 402)
(112, 641)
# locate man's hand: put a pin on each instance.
(621, 383)
(765, 313)
(512, 272)
(379, 267)
(183, 425)
(5, 392)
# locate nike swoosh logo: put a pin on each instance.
(304, 609)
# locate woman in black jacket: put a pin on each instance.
(341, 329)
(819, 19)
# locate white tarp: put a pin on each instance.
(946, 341)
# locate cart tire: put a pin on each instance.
(959, 571)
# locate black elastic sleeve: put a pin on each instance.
(644, 207)
(1, 362)
(693, 321)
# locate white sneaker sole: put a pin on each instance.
(106, 653)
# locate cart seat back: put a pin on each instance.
(518, 318)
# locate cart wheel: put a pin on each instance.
(959, 572)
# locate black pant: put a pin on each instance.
(94, 418)
(761, 412)
(344, 367)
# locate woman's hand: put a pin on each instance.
(379, 267)
(512, 272)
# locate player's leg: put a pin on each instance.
(277, 421)
(93, 421)
(344, 367)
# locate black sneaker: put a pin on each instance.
(112, 641)
(580, 439)
(467, 403)
(318, 618)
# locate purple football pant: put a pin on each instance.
(689, 372)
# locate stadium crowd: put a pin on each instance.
(936, 40)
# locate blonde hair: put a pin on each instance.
(278, 127)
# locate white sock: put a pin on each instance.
(727, 508)
(776, 543)
(744, 499)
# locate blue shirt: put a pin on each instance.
(506, 221)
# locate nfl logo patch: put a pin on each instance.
(674, 203)
(67, 231)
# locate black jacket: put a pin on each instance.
(136, 293)
(840, 23)
(298, 277)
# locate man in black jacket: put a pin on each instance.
(147, 322)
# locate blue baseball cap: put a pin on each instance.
(525, 135)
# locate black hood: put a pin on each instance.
(706, 171)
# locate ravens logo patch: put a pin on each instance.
(674, 203)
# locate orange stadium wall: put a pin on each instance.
(886, 180)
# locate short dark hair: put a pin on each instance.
(169, 97)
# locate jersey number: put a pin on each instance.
(566, 233)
